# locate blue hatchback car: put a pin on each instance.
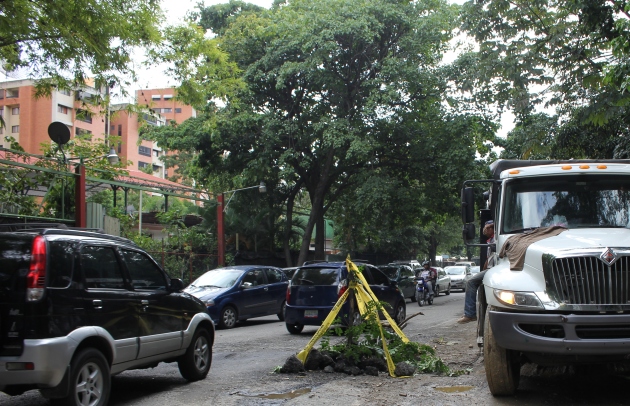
(241, 292)
(315, 288)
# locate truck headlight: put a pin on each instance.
(518, 299)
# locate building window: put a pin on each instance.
(142, 165)
(156, 153)
(119, 129)
(120, 147)
(178, 109)
(12, 93)
(168, 97)
(156, 168)
(1, 130)
(62, 109)
(84, 115)
(1, 111)
(15, 111)
(86, 134)
(156, 97)
(167, 110)
(15, 129)
(65, 92)
(1, 93)
(146, 151)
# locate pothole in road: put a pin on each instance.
(454, 389)
(287, 395)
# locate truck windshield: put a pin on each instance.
(570, 201)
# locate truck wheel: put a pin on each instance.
(195, 363)
(228, 317)
(503, 369)
(294, 328)
(89, 379)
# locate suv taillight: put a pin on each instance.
(288, 298)
(342, 287)
(35, 280)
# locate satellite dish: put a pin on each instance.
(59, 132)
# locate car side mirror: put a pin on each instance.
(246, 285)
(177, 285)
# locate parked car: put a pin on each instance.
(469, 263)
(314, 290)
(404, 276)
(459, 276)
(475, 269)
(289, 271)
(443, 282)
(238, 293)
(77, 307)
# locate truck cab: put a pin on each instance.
(559, 290)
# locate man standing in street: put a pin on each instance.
(470, 300)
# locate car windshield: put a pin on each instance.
(456, 270)
(218, 278)
(569, 201)
(390, 271)
(475, 269)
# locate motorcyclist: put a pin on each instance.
(429, 276)
(426, 266)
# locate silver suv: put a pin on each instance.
(77, 307)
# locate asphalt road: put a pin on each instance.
(244, 359)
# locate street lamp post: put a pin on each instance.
(262, 188)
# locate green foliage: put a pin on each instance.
(63, 41)
(558, 52)
(364, 340)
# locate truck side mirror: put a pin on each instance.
(469, 232)
(468, 205)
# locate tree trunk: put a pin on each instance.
(289, 224)
(432, 247)
(320, 238)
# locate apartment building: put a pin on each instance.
(141, 154)
(27, 118)
(162, 101)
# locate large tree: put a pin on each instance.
(65, 42)
(325, 80)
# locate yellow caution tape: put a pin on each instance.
(324, 327)
(363, 295)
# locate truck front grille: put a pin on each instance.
(589, 281)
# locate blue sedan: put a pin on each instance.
(241, 292)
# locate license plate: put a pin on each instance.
(310, 313)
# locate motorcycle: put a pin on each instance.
(424, 292)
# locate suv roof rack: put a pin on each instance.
(62, 229)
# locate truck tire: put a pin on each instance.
(503, 369)
(195, 363)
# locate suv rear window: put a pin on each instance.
(15, 254)
(316, 276)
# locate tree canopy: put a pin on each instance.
(64, 42)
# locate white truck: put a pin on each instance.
(568, 300)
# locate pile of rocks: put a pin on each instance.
(323, 360)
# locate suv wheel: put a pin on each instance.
(195, 364)
(294, 328)
(89, 379)
(228, 317)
